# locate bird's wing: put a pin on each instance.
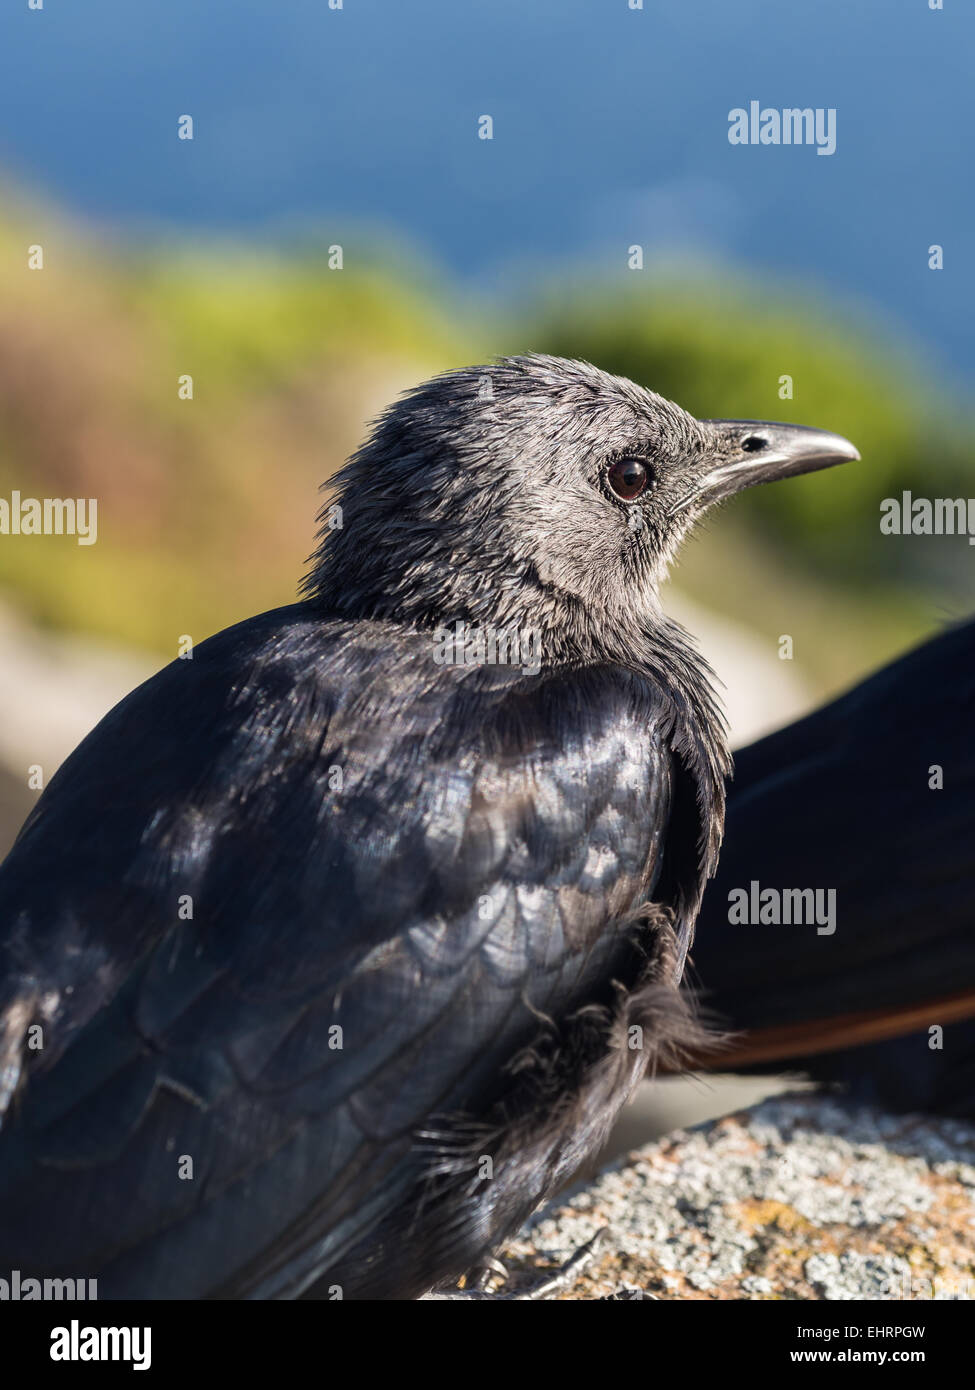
(871, 798)
(290, 900)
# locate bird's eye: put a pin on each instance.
(628, 478)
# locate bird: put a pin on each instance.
(338, 946)
(872, 796)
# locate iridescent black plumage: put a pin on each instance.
(872, 796)
(484, 877)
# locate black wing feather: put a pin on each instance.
(428, 859)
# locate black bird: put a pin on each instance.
(346, 945)
(872, 796)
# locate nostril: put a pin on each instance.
(753, 443)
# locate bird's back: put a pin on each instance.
(316, 930)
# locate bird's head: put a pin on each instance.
(537, 490)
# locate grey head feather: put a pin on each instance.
(481, 496)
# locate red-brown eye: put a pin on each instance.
(628, 478)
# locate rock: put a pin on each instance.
(802, 1197)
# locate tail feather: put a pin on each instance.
(866, 811)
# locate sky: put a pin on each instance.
(610, 128)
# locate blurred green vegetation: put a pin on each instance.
(206, 507)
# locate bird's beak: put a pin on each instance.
(758, 451)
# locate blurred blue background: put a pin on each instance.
(610, 128)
